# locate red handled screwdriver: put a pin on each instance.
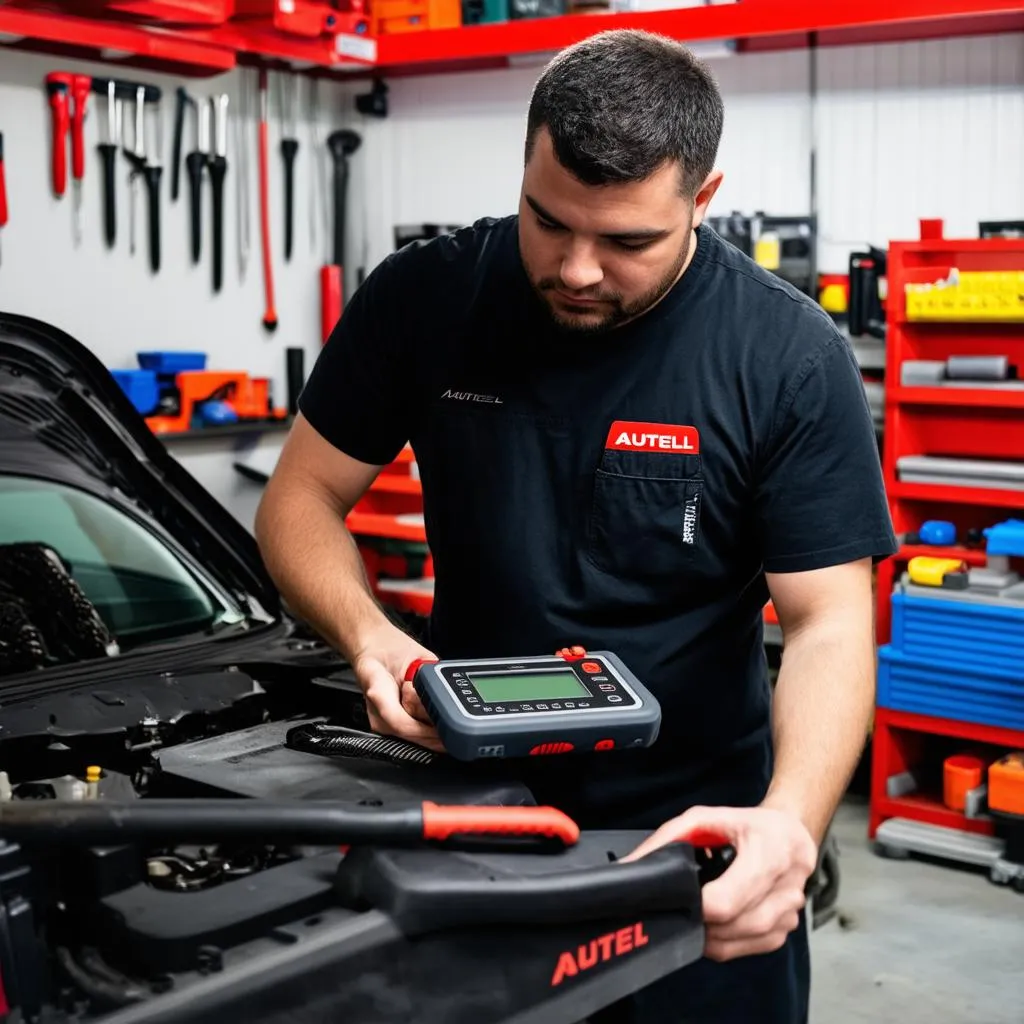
(58, 85)
(80, 87)
(3, 185)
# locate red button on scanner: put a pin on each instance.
(591, 667)
(604, 745)
(558, 747)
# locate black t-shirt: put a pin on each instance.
(623, 491)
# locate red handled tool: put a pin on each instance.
(80, 88)
(3, 185)
(320, 822)
(69, 101)
(58, 88)
(270, 313)
(341, 145)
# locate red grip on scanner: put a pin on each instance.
(415, 665)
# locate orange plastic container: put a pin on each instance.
(960, 774)
(391, 16)
(1006, 784)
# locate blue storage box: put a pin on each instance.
(979, 693)
(949, 631)
(172, 362)
(141, 387)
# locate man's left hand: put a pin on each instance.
(755, 904)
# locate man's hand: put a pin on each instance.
(392, 704)
(755, 904)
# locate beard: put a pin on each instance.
(613, 311)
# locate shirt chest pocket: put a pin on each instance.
(645, 514)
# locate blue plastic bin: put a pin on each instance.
(172, 362)
(958, 632)
(141, 387)
(980, 693)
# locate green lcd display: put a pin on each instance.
(495, 687)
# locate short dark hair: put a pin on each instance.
(621, 103)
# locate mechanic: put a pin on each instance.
(630, 436)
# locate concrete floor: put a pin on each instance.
(915, 942)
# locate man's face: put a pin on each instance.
(599, 256)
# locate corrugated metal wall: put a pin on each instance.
(901, 131)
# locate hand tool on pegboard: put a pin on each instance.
(108, 156)
(182, 103)
(3, 185)
(58, 90)
(317, 205)
(151, 172)
(69, 100)
(341, 145)
(269, 313)
(218, 164)
(289, 148)
(195, 163)
(242, 165)
(115, 93)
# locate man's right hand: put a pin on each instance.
(392, 704)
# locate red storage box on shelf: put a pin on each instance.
(179, 13)
(388, 17)
(306, 18)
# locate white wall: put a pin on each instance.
(902, 131)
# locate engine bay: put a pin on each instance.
(84, 932)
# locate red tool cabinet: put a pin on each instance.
(960, 421)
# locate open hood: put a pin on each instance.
(64, 418)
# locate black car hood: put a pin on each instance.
(64, 418)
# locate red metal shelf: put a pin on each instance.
(184, 52)
(957, 495)
(761, 24)
(897, 744)
(371, 524)
(392, 483)
(986, 398)
(972, 556)
(751, 24)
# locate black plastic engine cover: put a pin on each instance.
(158, 930)
(525, 965)
(257, 762)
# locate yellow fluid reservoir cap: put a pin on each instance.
(93, 772)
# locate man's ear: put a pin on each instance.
(705, 195)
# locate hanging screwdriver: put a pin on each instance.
(194, 164)
(289, 147)
(3, 185)
(218, 171)
(80, 87)
(108, 154)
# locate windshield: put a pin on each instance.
(80, 579)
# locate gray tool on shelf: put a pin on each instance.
(997, 474)
(961, 371)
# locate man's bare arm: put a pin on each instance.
(312, 558)
(825, 690)
(308, 550)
